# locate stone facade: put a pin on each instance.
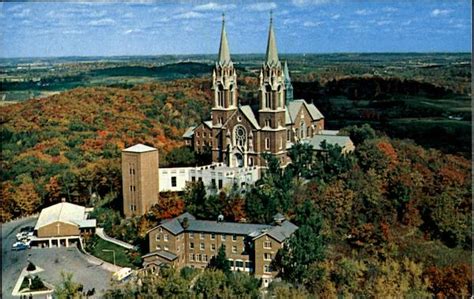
(139, 179)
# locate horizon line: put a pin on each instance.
(237, 54)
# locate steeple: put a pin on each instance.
(224, 53)
(271, 57)
(286, 73)
(288, 85)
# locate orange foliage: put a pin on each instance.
(450, 281)
(389, 151)
(170, 205)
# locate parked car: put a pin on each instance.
(17, 246)
(27, 229)
(21, 235)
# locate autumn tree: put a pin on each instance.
(25, 197)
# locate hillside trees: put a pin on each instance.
(298, 261)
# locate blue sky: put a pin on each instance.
(40, 29)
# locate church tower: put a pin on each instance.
(272, 100)
(288, 85)
(224, 83)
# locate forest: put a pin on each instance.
(391, 219)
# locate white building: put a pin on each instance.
(215, 175)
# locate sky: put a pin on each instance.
(146, 27)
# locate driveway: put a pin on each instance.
(52, 260)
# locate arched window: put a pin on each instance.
(240, 136)
(267, 143)
(231, 100)
(302, 129)
(268, 97)
(220, 95)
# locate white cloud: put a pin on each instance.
(102, 22)
(363, 12)
(290, 21)
(16, 8)
(262, 6)
(73, 31)
(311, 24)
(309, 2)
(406, 23)
(384, 22)
(440, 12)
(336, 16)
(212, 6)
(189, 15)
(389, 9)
(23, 13)
(131, 31)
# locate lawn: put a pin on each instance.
(121, 254)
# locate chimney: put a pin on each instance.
(220, 218)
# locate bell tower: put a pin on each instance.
(271, 113)
(224, 83)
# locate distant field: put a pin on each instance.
(425, 97)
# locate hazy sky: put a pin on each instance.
(192, 27)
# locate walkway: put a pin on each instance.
(100, 232)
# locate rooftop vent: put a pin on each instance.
(220, 218)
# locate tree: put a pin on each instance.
(305, 248)
(170, 205)
(195, 198)
(359, 134)
(220, 261)
(68, 288)
(25, 197)
(36, 283)
(301, 155)
(211, 284)
(180, 157)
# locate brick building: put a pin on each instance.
(238, 134)
(186, 241)
(139, 179)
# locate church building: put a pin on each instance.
(237, 134)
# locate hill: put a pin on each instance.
(69, 144)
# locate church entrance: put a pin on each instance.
(239, 160)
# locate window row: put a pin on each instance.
(212, 236)
(198, 257)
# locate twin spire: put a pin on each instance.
(271, 57)
(224, 53)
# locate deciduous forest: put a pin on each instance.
(391, 219)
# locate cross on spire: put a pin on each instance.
(272, 53)
(224, 53)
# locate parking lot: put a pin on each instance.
(52, 260)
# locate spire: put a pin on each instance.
(286, 73)
(224, 53)
(272, 53)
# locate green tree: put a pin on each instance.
(359, 134)
(304, 249)
(301, 155)
(211, 284)
(68, 289)
(220, 261)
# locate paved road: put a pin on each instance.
(52, 260)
